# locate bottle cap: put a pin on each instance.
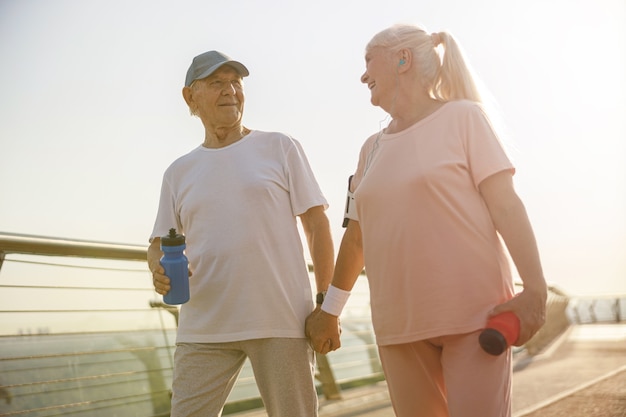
(492, 341)
(501, 332)
(173, 239)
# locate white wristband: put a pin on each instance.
(335, 300)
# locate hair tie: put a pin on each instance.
(436, 39)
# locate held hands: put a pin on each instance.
(323, 331)
(530, 308)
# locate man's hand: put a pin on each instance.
(160, 281)
(323, 331)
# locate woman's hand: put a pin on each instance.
(530, 308)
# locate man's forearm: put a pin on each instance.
(154, 254)
(323, 257)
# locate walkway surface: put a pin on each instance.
(583, 373)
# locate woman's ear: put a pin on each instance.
(404, 60)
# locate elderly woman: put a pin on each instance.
(433, 194)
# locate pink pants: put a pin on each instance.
(448, 376)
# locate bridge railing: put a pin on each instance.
(556, 321)
(82, 333)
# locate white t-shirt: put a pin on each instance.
(434, 261)
(237, 207)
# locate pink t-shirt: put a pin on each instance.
(434, 261)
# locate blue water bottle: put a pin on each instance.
(176, 268)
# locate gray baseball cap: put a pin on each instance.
(205, 64)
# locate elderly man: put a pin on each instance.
(237, 197)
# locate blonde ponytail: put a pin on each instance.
(446, 77)
(455, 79)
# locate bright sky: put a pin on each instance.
(91, 111)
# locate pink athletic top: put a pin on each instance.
(434, 261)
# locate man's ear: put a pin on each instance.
(187, 95)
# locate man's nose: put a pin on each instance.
(229, 89)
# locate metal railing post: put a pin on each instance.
(330, 389)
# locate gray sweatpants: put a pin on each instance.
(205, 373)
